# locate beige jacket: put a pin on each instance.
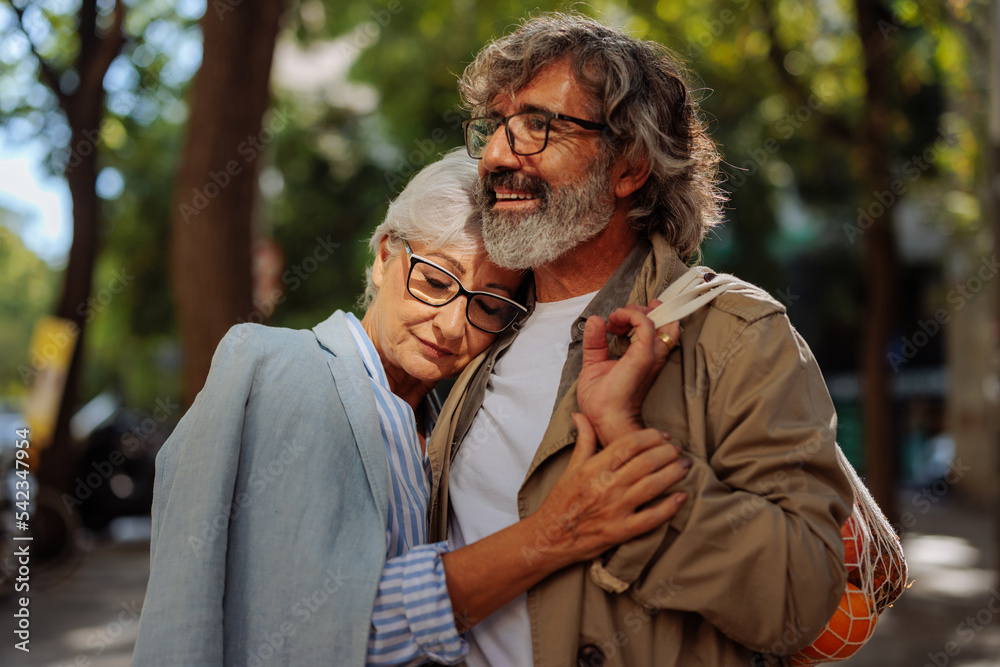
(751, 568)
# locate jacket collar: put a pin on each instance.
(333, 334)
(661, 268)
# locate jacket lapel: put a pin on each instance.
(358, 399)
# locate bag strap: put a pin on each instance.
(690, 292)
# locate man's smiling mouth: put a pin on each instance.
(508, 196)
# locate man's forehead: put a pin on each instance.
(506, 104)
(551, 89)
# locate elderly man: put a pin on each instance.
(597, 174)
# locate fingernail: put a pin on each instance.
(685, 463)
(681, 497)
(665, 435)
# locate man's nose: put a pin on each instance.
(497, 156)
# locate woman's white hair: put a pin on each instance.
(436, 209)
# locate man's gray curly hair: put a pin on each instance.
(640, 90)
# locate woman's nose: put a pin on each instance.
(450, 318)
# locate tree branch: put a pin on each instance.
(97, 51)
(87, 28)
(111, 42)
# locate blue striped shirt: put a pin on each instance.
(413, 619)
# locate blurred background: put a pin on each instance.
(171, 168)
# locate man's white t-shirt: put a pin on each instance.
(495, 455)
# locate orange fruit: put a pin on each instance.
(847, 630)
(853, 544)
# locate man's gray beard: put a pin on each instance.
(566, 218)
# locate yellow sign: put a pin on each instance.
(52, 346)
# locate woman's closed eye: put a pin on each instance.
(484, 308)
(437, 283)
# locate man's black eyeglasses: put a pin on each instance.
(436, 286)
(527, 131)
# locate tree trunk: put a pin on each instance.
(880, 258)
(84, 109)
(216, 187)
(993, 197)
(58, 457)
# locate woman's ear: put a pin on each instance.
(630, 177)
(381, 257)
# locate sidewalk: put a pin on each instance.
(90, 618)
(87, 616)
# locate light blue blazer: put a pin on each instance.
(269, 511)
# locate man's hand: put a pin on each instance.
(601, 498)
(610, 392)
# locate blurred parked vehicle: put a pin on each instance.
(114, 472)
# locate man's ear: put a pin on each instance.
(381, 257)
(630, 177)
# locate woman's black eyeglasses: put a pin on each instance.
(436, 286)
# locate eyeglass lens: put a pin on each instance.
(526, 133)
(436, 288)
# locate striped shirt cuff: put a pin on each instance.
(413, 619)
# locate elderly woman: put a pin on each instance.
(289, 517)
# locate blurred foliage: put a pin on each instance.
(20, 306)
(130, 340)
(369, 92)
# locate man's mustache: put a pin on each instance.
(533, 185)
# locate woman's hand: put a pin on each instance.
(601, 498)
(610, 392)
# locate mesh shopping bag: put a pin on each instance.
(876, 576)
